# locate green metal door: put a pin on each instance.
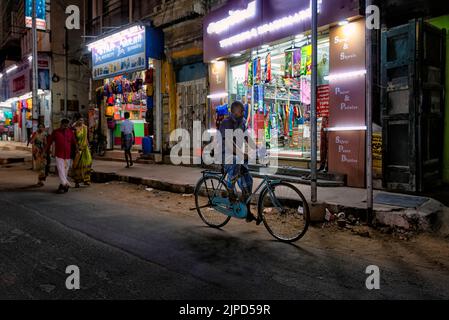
(412, 73)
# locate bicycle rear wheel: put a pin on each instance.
(102, 149)
(206, 189)
(284, 211)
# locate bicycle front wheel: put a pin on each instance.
(206, 189)
(284, 211)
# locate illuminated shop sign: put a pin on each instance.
(245, 24)
(235, 17)
(125, 51)
(273, 26)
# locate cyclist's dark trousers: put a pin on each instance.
(239, 173)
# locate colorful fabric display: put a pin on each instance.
(288, 65)
(306, 60)
(297, 63)
(268, 74)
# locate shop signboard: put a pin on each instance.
(243, 24)
(347, 75)
(19, 81)
(125, 51)
(40, 14)
(347, 156)
(347, 102)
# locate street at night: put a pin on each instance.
(224, 158)
(130, 243)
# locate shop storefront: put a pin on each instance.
(17, 105)
(6, 124)
(127, 63)
(260, 53)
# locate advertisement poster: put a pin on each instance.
(40, 14)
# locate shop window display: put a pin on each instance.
(275, 85)
(131, 93)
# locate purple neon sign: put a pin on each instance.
(244, 24)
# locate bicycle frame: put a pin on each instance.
(266, 182)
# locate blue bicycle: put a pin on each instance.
(281, 206)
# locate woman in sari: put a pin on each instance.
(39, 142)
(83, 160)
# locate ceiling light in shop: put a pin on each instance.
(291, 49)
(236, 55)
(300, 37)
(343, 23)
(1, 75)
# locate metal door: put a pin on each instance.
(412, 99)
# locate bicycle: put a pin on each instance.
(281, 207)
(99, 145)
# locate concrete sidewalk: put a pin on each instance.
(13, 152)
(431, 216)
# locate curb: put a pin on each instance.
(103, 177)
(427, 218)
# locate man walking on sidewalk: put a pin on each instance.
(64, 140)
(128, 139)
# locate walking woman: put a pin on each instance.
(39, 142)
(82, 164)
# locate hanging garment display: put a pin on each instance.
(249, 74)
(259, 70)
(288, 65)
(305, 90)
(256, 80)
(268, 74)
(297, 63)
(306, 60)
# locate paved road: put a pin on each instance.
(137, 251)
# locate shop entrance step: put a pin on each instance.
(304, 174)
(300, 179)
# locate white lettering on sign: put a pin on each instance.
(273, 26)
(344, 150)
(234, 18)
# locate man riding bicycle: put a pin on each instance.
(234, 159)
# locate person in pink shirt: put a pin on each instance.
(64, 140)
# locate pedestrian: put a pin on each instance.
(128, 139)
(64, 140)
(39, 151)
(82, 163)
(29, 127)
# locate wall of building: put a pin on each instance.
(79, 72)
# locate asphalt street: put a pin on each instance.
(153, 247)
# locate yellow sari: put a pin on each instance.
(82, 164)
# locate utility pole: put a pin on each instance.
(313, 115)
(34, 62)
(369, 120)
(66, 70)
